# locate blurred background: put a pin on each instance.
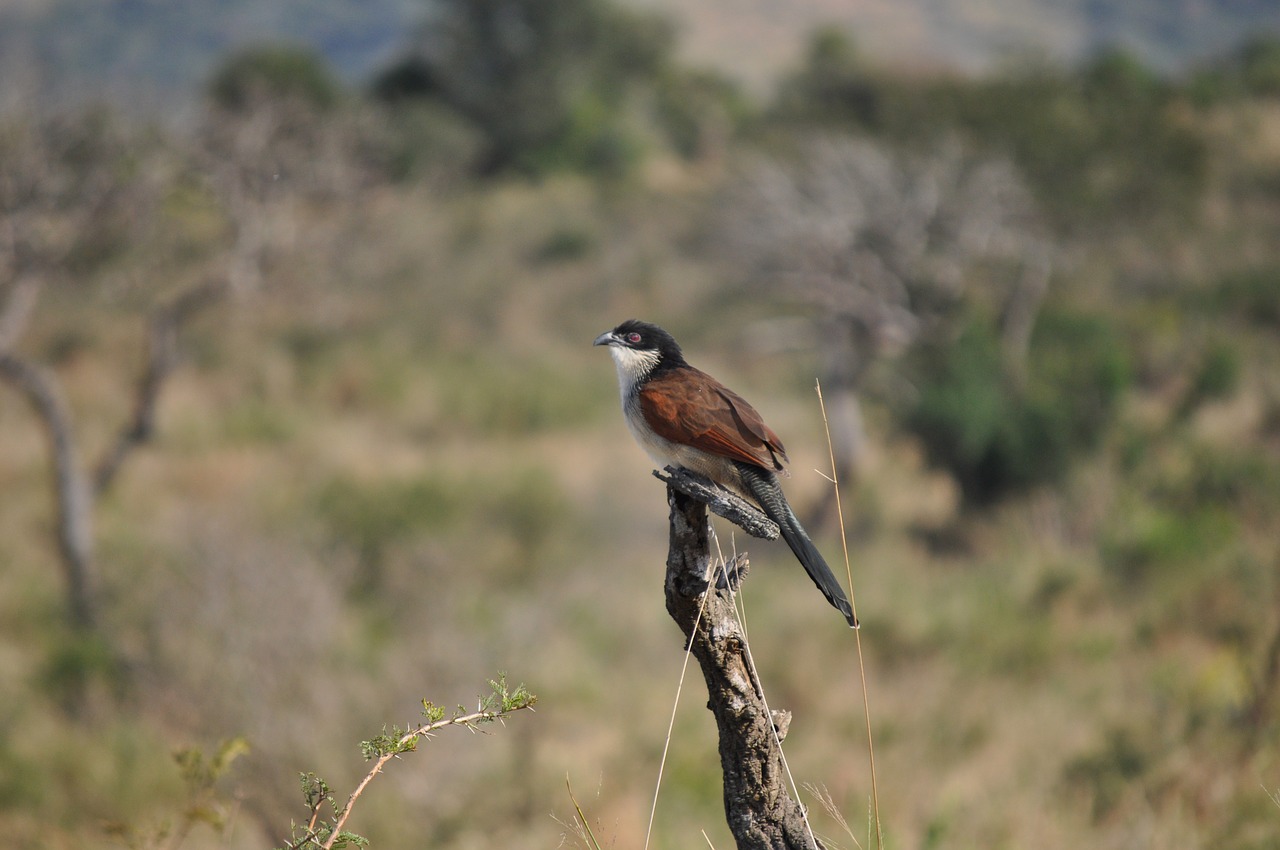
(300, 420)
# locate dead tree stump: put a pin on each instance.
(759, 808)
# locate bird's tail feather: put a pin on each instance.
(764, 488)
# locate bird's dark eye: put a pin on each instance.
(633, 337)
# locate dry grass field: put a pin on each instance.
(395, 466)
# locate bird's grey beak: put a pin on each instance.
(607, 338)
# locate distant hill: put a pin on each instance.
(154, 53)
(755, 39)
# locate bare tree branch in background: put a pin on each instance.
(66, 191)
(162, 358)
(72, 488)
(268, 158)
(78, 191)
(881, 247)
(75, 490)
(58, 191)
(22, 302)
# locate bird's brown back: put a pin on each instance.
(690, 407)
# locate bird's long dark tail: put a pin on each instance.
(763, 486)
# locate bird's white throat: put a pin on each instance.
(633, 367)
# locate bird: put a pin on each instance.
(683, 417)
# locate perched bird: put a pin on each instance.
(683, 417)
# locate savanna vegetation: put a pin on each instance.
(332, 438)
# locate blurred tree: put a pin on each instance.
(1101, 144)
(998, 435)
(833, 84)
(882, 247)
(274, 72)
(73, 195)
(272, 140)
(543, 80)
(1251, 71)
(1260, 65)
(79, 193)
(1214, 378)
(700, 111)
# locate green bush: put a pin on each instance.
(424, 139)
(1152, 540)
(1184, 509)
(565, 245)
(698, 110)
(257, 422)
(484, 396)
(1260, 65)
(1080, 370)
(521, 512)
(1251, 71)
(76, 663)
(1110, 770)
(22, 779)
(545, 83)
(1102, 144)
(998, 436)
(595, 140)
(1253, 294)
(274, 72)
(371, 516)
(1239, 479)
(1216, 377)
(833, 85)
(374, 517)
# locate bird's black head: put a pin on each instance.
(640, 351)
(644, 338)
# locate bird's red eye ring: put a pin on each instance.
(633, 337)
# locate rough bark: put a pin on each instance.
(723, 503)
(759, 809)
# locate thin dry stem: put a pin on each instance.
(671, 725)
(777, 738)
(853, 604)
(580, 825)
(823, 796)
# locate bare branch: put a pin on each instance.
(72, 488)
(723, 503)
(162, 357)
(881, 244)
(16, 314)
(1020, 311)
(881, 239)
(405, 742)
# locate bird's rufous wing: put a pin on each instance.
(690, 407)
